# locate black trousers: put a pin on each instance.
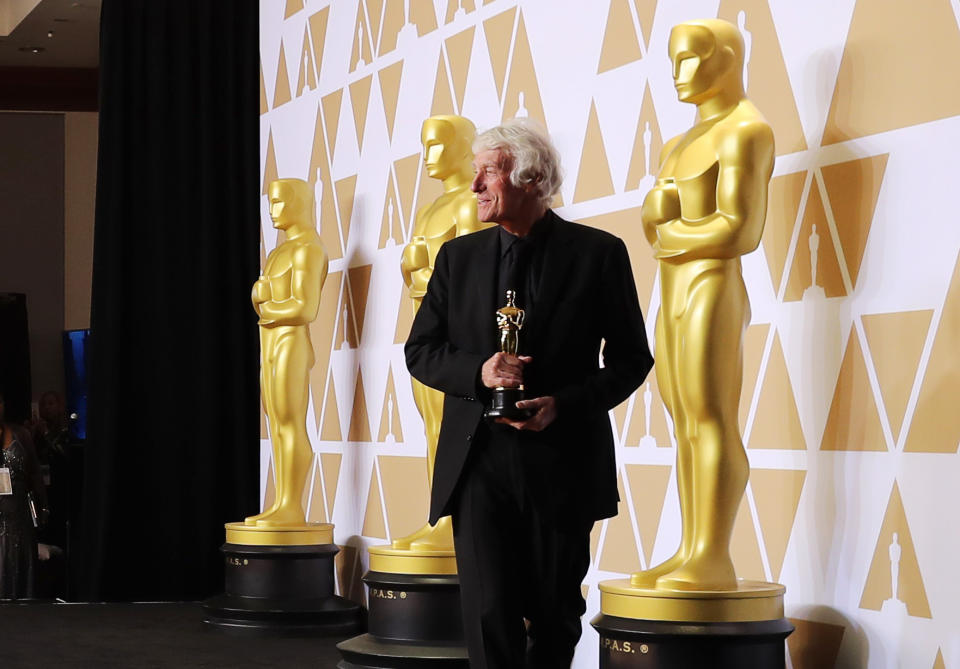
(514, 564)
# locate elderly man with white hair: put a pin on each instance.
(525, 492)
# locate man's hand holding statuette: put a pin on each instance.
(503, 370)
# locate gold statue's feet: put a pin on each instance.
(277, 516)
(648, 578)
(701, 573)
(437, 537)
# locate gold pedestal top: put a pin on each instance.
(395, 561)
(306, 534)
(751, 601)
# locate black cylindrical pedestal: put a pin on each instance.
(626, 643)
(413, 621)
(281, 590)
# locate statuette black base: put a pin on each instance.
(281, 590)
(503, 404)
(414, 621)
(626, 643)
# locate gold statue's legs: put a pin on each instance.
(284, 378)
(437, 537)
(700, 374)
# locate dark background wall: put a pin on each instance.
(31, 233)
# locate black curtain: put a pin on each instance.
(173, 441)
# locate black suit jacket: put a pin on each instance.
(586, 300)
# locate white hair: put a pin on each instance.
(534, 158)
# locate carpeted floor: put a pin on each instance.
(107, 636)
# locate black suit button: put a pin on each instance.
(469, 437)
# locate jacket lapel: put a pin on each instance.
(484, 280)
(558, 256)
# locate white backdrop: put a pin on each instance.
(851, 377)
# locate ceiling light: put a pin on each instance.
(49, 33)
(32, 49)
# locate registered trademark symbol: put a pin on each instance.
(644, 648)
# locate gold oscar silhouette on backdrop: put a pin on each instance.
(705, 211)
(287, 298)
(447, 156)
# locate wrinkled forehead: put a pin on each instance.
(495, 157)
(690, 38)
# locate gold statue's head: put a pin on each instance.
(447, 142)
(707, 57)
(291, 201)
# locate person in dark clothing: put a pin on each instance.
(524, 494)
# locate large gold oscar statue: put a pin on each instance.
(447, 155)
(287, 298)
(447, 142)
(279, 569)
(705, 211)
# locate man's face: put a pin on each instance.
(438, 138)
(498, 200)
(697, 65)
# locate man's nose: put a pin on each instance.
(477, 184)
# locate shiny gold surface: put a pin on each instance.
(287, 298)
(448, 156)
(305, 534)
(706, 210)
(510, 322)
(747, 601)
(419, 561)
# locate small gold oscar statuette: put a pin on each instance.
(504, 401)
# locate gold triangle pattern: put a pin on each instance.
(359, 416)
(459, 47)
(374, 524)
(935, 427)
(318, 34)
(330, 463)
(321, 336)
(744, 546)
(330, 430)
(853, 423)
(522, 98)
(390, 78)
(361, 55)
(619, 552)
(620, 41)
(782, 209)
(853, 188)
(894, 579)
(458, 8)
(777, 497)
(593, 178)
(499, 32)
(815, 247)
(360, 100)
(647, 144)
(270, 166)
(777, 421)
(765, 74)
(281, 90)
(864, 106)
(896, 341)
(306, 72)
(648, 487)
(390, 427)
(293, 6)
(753, 344)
